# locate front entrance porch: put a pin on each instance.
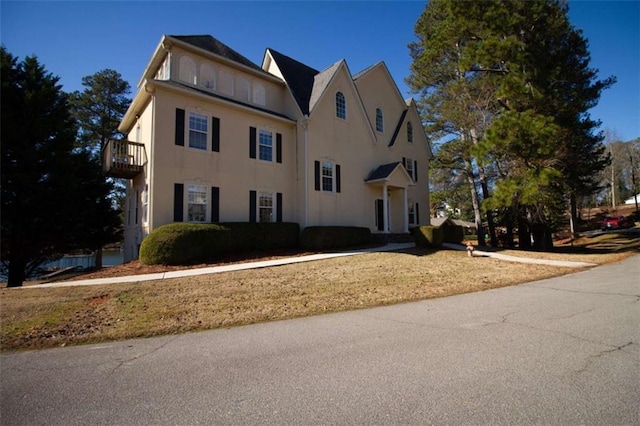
(392, 206)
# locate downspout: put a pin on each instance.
(150, 216)
(305, 126)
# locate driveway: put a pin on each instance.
(558, 351)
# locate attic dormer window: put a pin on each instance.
(207, 77)
(379, 120)
(187, 71)
(341, 106)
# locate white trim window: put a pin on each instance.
(327, 176)
(187, 71)
(198, 130)
(265, 207)
(409, 166)
(379, 120)
(341, 106)
(243, 89)
(265, 145)
(207, 77)
(145, 204)
(196, 203)
(412, 211)
(225, 82)
(163, 71)
(259, 94)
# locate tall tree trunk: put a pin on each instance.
(475, 202)
(17, 266)
(524, 235)
(573, 213)
(485, 191)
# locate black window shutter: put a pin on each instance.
(215, 204)
(278, 147)
(317, 175)
(178, 197)
(215, 134)
(279, 207)
(415, 171)
(252, 142)
(253, 195)
(338, 178)
(179, 127)
(404, 162)
(417, 219)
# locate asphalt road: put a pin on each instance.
(559, 351)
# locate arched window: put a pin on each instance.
(341, 106)
(259, 94)
(379, 120)
(409, 132)
(242, 89)
(225, 82)
(207, 77)
(187, 70)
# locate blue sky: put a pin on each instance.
(75, 39)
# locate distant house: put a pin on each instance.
(632, 200)
(469, 227)
(213, 137)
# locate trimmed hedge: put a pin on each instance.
(191, 243)
(452, 233)
(334, 237)
(428, 236)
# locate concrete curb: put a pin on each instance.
(223, 268)
(479, 253)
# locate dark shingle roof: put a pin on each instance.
(212, 45)
(383, 171)
(298, 76)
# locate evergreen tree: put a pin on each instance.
(54, 199)
(98, 110)
(526, 89)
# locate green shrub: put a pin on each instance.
(428, 236)
(190, 243)
(334, 237)
(452, 233)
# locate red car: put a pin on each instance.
(615, 222)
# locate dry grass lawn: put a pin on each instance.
(48, 317)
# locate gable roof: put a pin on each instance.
(398, 127)
(210, 44)
(321, 81)
(299, 78)
(384, 172)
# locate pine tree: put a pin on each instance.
(54, 199)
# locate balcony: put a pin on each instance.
(123, 159)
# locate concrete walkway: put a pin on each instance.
(565, 263)
(299, 259)
(223, 268)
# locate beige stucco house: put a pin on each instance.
(213, 137)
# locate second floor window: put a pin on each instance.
(379, 120)
(265, 145)
(409, 166)
(341, 106)
(197, 131)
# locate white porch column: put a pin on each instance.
(385, 207)
(405, 211)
